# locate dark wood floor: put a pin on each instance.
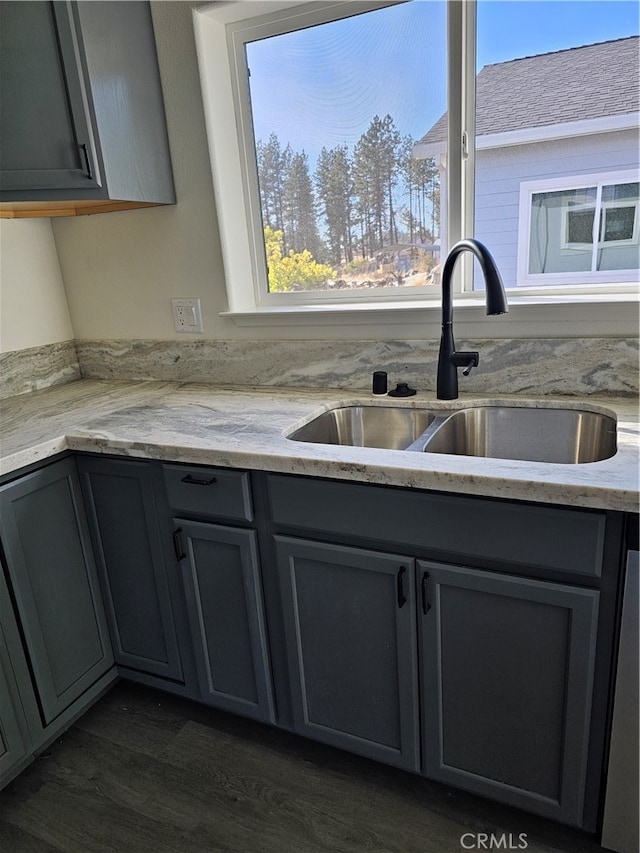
(144, 771)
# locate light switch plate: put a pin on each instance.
(187, 316)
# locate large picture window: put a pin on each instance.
(353, 142)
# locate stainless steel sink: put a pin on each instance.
(532, 434)
(388, 427)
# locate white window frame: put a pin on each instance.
(536, 311)
(613, 280)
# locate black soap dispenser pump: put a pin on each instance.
(379, 383)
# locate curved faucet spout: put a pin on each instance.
(449, 360)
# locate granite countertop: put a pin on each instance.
(247, 428)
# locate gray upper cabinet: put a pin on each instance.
(507, 677)
(349, 618)
(55, 585)
(121, 506)
(225, 607)
(82, 121)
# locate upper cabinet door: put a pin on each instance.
(82, 123)
(55, 584)
(47, 138)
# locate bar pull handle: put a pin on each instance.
(177, 544)
(87, 161)
(402, 598)
(190, 480)
(426, 607)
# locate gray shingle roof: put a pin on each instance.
(567, 85)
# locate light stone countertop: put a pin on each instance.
(247, 428)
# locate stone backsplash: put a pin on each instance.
(572, 366)
(534, 366)
(38, 367)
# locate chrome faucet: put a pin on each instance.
(448, 359)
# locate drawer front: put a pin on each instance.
(209, 491)
(515, 534)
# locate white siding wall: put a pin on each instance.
(500, 171)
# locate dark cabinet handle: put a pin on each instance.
(190, 480)
(177, 544)
(402, 598)
(425, 593)
(87, 161)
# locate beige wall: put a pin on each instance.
(33, 305)
(121, 269)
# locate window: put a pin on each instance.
(582, 230)
(339, 203)
(328, 196)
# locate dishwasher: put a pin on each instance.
(620, 823)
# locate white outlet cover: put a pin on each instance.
(187, 316)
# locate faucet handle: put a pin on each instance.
(467, 360)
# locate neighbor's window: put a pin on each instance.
(580, 234)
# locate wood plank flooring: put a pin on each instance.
(144, 771)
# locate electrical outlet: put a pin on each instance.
(187, 316)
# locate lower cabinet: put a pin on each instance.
(480, 678)
(224, 603)
(14, 746)
(55, 585)
(121, 504)
(507, 669)
(350, 625)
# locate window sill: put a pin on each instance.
(589, 315)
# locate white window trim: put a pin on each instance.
(623, 281)
(539, 312)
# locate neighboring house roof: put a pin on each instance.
(574, 85)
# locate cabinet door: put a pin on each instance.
(46, 541)
(122, 512)
(13, 747)
(47, 140)
(226, 615)
(507, 668)
(349, 618)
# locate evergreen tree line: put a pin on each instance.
(361, 201)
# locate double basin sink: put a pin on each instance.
(535, 434)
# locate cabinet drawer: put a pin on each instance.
(515, 534)
(209, 491)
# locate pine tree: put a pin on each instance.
(300, 213)
(335, 191)
(273, 166)
(376, 169)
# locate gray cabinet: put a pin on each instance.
(55, 585)
(121, 505)
(507, 669)
(82, 124)
(14, 747)
(513, 655)
(226, 614)
(350, 624)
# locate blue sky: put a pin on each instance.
(322, 86)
